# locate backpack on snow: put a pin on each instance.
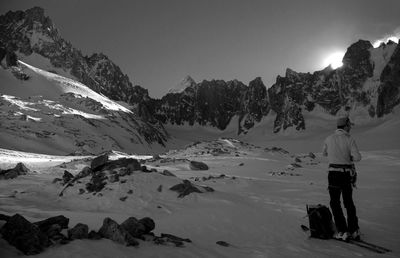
(321, 223)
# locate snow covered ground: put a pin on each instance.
(257, 207)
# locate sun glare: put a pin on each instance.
(334, 59)
(380, 41)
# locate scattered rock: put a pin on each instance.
(311, 155)
(81, 191)
(80, 231)
(67, 177)
(123, 198)
(144, 169)
(153, 170)
(197, 165)
(159, 188)
(241, 164)
(297, 160)
(123, 181)
(130, 191)
(24, 235)
(223, 243)
(111, 230)
(186, 188)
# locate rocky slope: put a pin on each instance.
(367, 85)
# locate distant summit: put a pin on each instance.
(183, 84)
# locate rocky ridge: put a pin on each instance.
(367, 82)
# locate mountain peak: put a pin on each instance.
(186, 82)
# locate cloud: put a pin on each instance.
(395, 36)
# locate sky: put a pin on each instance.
(158, 43)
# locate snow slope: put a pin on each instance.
(257, 207)
(49, 113)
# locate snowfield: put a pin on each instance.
(257, 206)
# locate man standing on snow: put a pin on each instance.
(342, 151)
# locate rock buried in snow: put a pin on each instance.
(186, 188)
(223, 243)
(24, 235)
(80, 231)
(197, 165)
(111, 230)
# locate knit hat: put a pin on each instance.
(342, 121)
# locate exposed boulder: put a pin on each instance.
(97, 182)
(134, 227)
(148, 224)
(67, 177)
(111, 230)
(99, 162)
(24, 235)
(19, 169)
(197, 165)
(80, 231)
(186, 188)
(45, 225)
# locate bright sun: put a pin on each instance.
(334, 59)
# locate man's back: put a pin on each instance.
(341, 148)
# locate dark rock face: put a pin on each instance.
(30, 31)
(24, 235)
(115, 232)
(389, 89)
(99, 162)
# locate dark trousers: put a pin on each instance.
(340, 184)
